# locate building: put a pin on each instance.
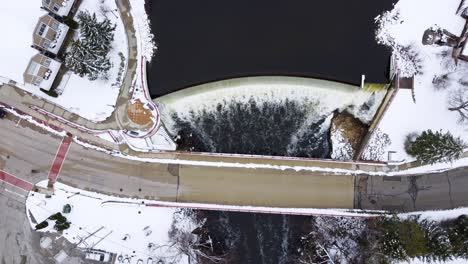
(41, 71)
(49, 34)
(59, 7)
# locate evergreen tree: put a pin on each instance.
(431, 147)
(88, 56)
(458, 234)
(438, 242)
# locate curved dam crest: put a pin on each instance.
(270, 115)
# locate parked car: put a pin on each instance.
(2, 113)
(98, 255)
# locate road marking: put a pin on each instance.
(15, 193)
(15, 181)
(59, 159)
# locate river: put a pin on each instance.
(203, 41)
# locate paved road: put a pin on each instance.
(28, 153)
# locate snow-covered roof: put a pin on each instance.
(18, 21)
(49, 34)
(41, 71)
(59, 7)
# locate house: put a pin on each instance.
(59, 7)
(41, 71)
(49, 34)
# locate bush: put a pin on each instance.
(42, 225)
(59, 226)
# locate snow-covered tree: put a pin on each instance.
(437, 240)
(406, 56)
(431, 147)
(88, 55)
(458, 234)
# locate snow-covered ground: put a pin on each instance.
(430, 111)
(93, 100)
(115, 218)
(147, 45)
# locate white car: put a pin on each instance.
(98, 255)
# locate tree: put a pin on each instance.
(88, 55)
(431, 147)
(437, 240)
(458, 234)
(402, 239)
(458, 102)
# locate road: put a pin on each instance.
(29, 153)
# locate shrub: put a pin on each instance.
(59, 226)
(42, 225)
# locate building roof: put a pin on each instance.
(59, 7)
(41, 71)
(49, 34)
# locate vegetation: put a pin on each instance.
(88, 55)
(42, 225)
(61, 222)
(383, 240)
(431, 147)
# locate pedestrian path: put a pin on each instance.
(59, 159)
(15, 181)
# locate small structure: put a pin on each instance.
(41, 71)
(49, 34)
(439, 37)
(66, 209)
(59, 7)
(61, 256)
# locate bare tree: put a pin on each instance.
(458, 101)
(185, 241)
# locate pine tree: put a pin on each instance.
(88, 56)
(431, 147)
(458, 234)
(437, 240)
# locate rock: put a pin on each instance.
(351, 128)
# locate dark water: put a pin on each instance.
(206, 40)
(259, 128)
(257, 238)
